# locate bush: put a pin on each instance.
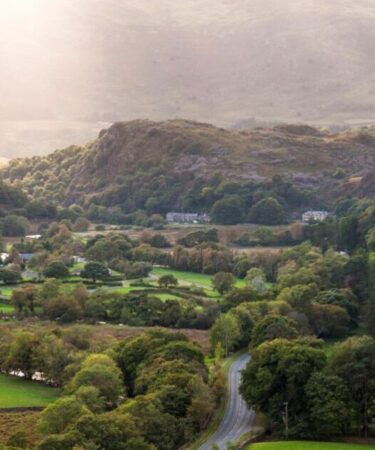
(267, 212)
(56, 269)
(14, 225)
(227, 211)
(81, 224)
(273, 327)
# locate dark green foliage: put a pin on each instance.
(207, 258)
(199, 237)
(157, 241)
(227, 211)
(112, 432)
(63, 308)
(108, 248)
(340, 297)
(14, 225)
(136, 270)
(299, 296)
(11, 197)
(322, 234)
(354, 362)
(267, 212)
(273, 327)
(241, 267)
(9, 276)
(246, 324)
(56, 269)
(370, 304)
(278, 372)
(168, 280)
(143, 309)
(66, 441)
(223, 282)
(329, 321)
(329, 405)
(100, 372)
(237, 296)
(94, 271)
(164, 368)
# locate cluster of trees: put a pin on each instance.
(204, 258)
(150, 391)
(199, 237)
(319, 293)
(326, 397)
(267, 237)
(18, 210)
(54, 353)
(50, 300)
(327, 291)
(54, 300)
(229, 202)
(315, 293)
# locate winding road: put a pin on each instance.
(238, 418)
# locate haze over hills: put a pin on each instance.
(69, 68)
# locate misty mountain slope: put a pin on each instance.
(218, 61)
(141, 159)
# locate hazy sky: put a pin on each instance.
(69, 61)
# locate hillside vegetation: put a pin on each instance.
(158, 166)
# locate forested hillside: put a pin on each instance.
(150, 168)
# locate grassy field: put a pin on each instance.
(300, 445)
(199, 279)
(190, 278)
(166, 297)
(6, 309)
(6, 291)
(16, 393)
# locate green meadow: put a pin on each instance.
(191, 278)
(16, 392)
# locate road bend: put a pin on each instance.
(238, 418)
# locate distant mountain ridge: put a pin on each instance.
(80, 62)
(141, 159)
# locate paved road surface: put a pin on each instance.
(238, 419)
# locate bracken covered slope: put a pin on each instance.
(310, 158)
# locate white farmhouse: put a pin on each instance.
(314, 216)
(176, 217)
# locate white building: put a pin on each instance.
(4, 257)
(33, 236)
(175, 217)
(314, 216)
(79, 259)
